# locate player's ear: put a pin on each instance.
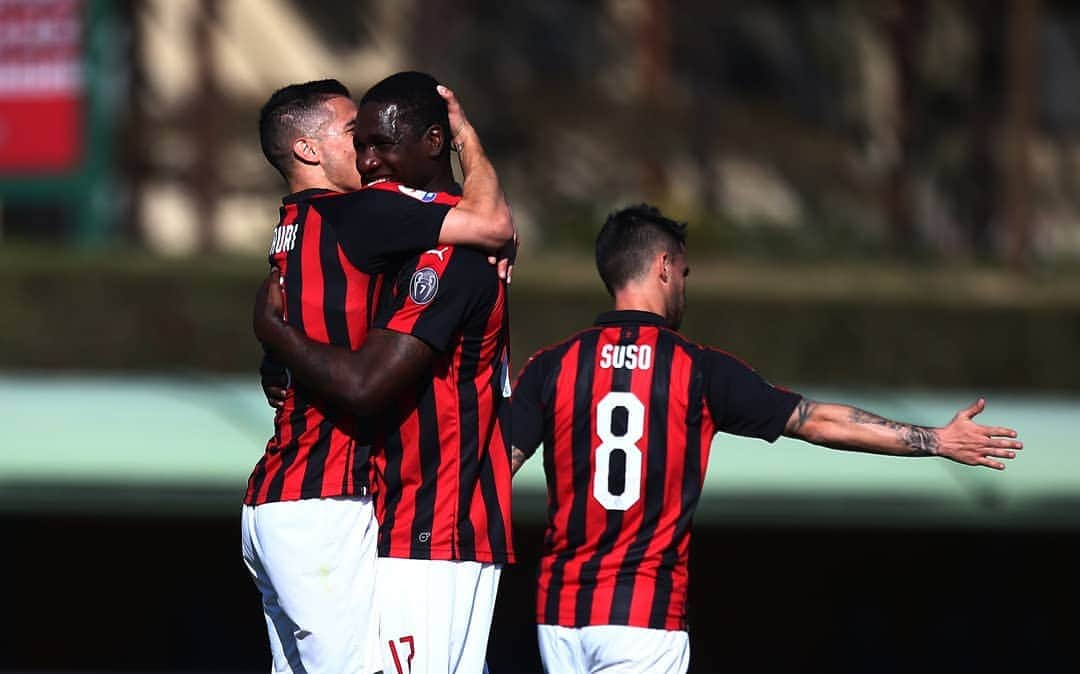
(305, 150)
(663, 263)
(434, 140)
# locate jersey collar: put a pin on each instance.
(630, 316)
(305, 194)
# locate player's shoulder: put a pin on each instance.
(557, 350)
(395, 191)
(443, 254)
(721, 360)
(458, 261)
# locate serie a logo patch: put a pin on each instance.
(419, 195)
(423, 285)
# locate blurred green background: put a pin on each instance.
(882, 201)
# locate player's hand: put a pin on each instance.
(967, 442)
(504, 259)
(275, 382)
(268, 316)
(459, 125)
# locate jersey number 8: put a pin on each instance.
(625, 443)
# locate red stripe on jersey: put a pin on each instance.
(283, 436)
(293, 486)
(311, 297)
(312, 454)
(562, 474)
(447, 496)
(405, 511)
(675, 470)
(499, 457)
(630, 566)
(492, 350)
(357, 309)
(271, 462)
(337, 463)
(641, 384)
(595, 514)
(448, 420)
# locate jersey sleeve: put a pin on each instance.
(742, 402)
(528, 407)
(377, 228)
(439, 293)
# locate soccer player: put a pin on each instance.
(309, 532)
(626, 411)
(434, 365)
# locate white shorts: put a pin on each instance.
(613, 649)
(434, 616)
(314, 563)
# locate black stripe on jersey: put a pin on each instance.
(299, 424)
(499, 539)
(430, 458)
(580, 437)
(655, 478)
(394, 451)
(311, 486)
(468, 454)
(691, 489)
(548, 393)
(620, 381)
(489, 491)
(258, 476)
(334, 286)
(350, 466)
(359, 461)
(295, 272)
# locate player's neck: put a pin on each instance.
(635, 298)
(301, 183)
(443, 182)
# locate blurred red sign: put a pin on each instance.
(41, 85)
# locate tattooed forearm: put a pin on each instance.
(803, 411)
(922, 441)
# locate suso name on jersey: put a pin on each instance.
(284, 238)
(629, 356)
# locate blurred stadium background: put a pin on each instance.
(883, 202)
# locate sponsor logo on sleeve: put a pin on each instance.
(419, 195)
(423, 285)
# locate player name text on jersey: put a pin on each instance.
(284, 238)
(629, 356)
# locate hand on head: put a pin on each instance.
(459, 125)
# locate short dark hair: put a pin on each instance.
(292, 111)
(419, 105)
(630, 238)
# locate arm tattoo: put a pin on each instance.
(805, 408)
(922, 441)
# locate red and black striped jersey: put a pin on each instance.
(442, 464)
(332, 249)
(626, 412)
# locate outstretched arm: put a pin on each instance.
(363, 381)
(482, 217)
(846, 427)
